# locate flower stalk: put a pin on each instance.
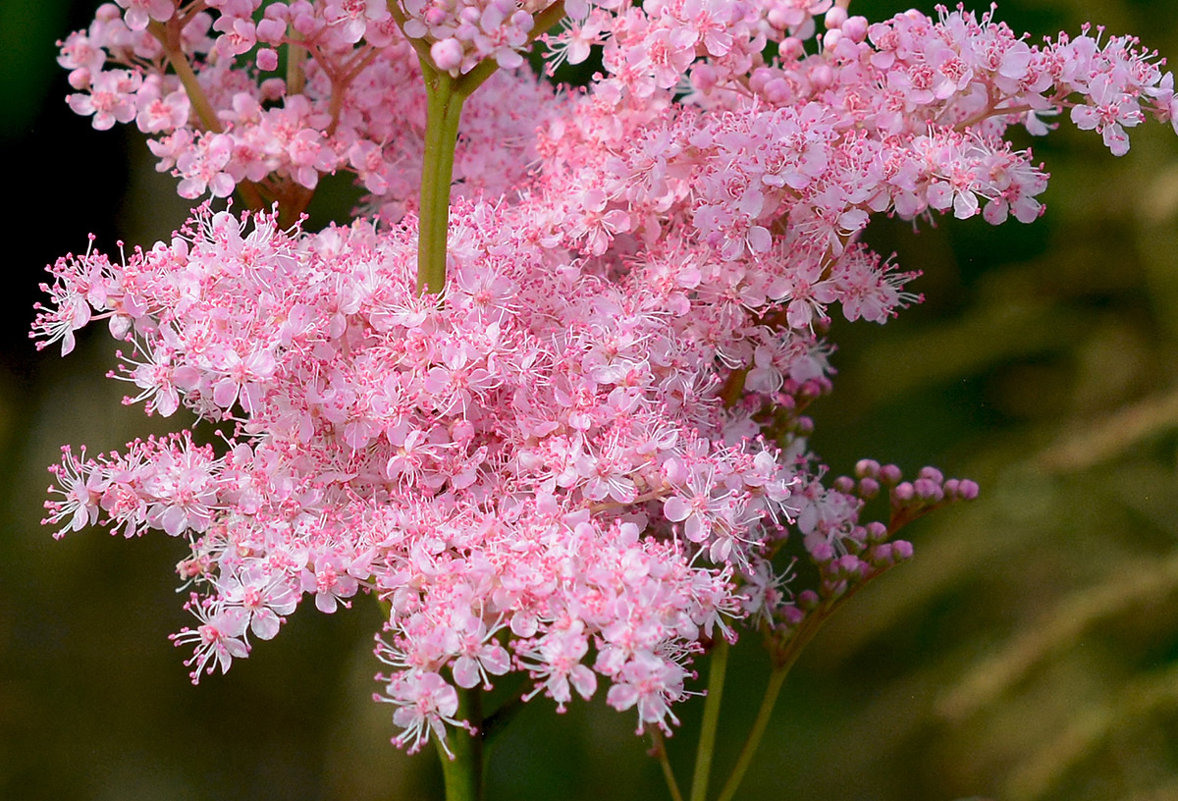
(462, 767)
(658, 749)
(441, 134)
(168, 36)
(706, 747)
(446, 94)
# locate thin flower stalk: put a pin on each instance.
(706, 747)
(658, 750)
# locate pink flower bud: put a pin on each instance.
(876, 531)
(267, 59)
(932, 474)
(867, 468)
(447, 55)
(855, 29)
(271, 31)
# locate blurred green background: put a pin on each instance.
(1029, 652)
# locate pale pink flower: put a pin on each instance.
(140, 12)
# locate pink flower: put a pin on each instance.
(81, 486)
(140, 12)
(218, 640)
(1111, 111)
(577, 462)
(425, 704)
(111, 98)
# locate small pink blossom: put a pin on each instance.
(140, 12)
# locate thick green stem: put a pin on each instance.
(437, 171)
(446, 94)
(706, 748)
(462, 769)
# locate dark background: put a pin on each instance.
(1029, 652)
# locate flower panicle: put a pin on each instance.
(587, 454)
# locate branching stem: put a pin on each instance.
(168, 36)
(441, 134)
(445, 96)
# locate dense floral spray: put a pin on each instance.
(545, 396)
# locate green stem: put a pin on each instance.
(776, 679)
(543, 22)
(179, 63)
(783, 660)
(394, 7)
(659, 750)
(705, 749)
(437, 171)
(463, 771)
(168, 35)
(445, 96)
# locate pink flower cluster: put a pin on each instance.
(925, 103)
(359, 104)
(527, 456)
(580, 462)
